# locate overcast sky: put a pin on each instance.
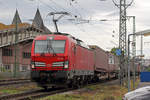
(94, 32)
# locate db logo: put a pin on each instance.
(48, 65)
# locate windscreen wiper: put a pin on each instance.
(43, 53)
(49, 48)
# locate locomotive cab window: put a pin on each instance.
(50, 46)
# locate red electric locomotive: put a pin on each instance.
(60, 59)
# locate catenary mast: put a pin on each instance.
(122, 5)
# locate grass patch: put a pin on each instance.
(9, 91)
(64, 97)
(136, 84)
(17, 88)
(95, 92)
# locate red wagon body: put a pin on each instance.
(113, 63)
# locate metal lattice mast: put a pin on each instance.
(122, 36)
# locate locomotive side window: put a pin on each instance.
(47, 46)
(74, 49)
(79, 42)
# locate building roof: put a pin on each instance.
(12, 26)
(38, 22)
(16, 18)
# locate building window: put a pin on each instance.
(7, 52)
(7, 67)
(24, 68)
(26, 54)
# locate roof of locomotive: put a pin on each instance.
(62, 35)
(94, 47)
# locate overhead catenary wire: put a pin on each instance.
(71, 13)
(88, 34)
(59, 6)
(72, 3)
(47, 5)
(6, 7)
(80, 21)
(76, 10)
(91, 36)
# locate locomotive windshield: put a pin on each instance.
(42, 46)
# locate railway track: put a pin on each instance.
(34, 94)
(40, 93)
(8, 80)
(14, 81)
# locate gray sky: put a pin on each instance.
(95, 32)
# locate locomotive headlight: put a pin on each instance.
(32, 66)
(66, 64)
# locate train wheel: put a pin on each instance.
(108, 76)
(89, 79)
(53, 87)
(81, 81)
(45, 87)
(84, 80)
(70, 84)
(76, 86)
(76, 83)
(96, 79)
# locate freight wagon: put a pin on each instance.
(106, 64)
